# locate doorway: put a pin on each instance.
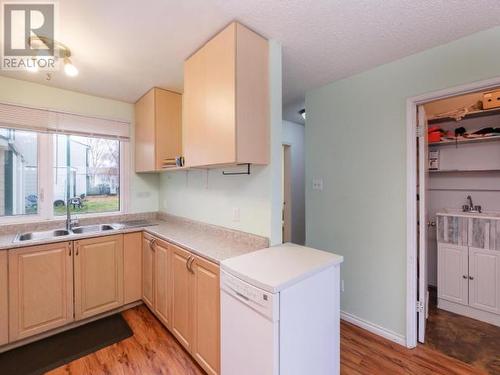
(453, 258)
(287, 193)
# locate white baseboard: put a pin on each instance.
(373, 328)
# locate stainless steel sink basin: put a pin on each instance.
(92, 228)
(41, 235)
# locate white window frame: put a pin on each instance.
(46, 184)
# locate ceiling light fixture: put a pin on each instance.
(61, 51)
(302, 112)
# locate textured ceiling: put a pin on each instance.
(124, 47)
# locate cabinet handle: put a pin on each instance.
(471, 278)
(69, 252)
(190, 264)
(152, 244)
(187, 263)
(464, 276)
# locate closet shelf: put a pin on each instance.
(462, 170)
(473, 114)
(465, 140)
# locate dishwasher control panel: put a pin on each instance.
(264, 302)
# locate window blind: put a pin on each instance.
(41, 120)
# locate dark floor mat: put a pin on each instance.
(47, 354)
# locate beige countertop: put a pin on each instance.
(211, 242)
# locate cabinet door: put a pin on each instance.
(132, 267)
(148, 259)
(4, 312)
(162, 279)
(453, 273)
(145, 133)
(210, 99)
(98, 275)
(40, 289)
(484, 279)
(220, 96)
(182, 297)
(194, 110)
(206, 315)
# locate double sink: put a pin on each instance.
(33, 236)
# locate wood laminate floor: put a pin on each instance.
(153, 350)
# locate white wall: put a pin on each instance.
(293, 135)
(356, 142)
(208, 196)
(143, 187)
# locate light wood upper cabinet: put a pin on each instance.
(148, 271)
(4, 308)
(182, 297)
(40, 289)
(206, 315)
(226, 100)
(162, 281)
(98, 275)
(132, 267)
(158, 129)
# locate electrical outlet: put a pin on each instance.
(342, 285)
(236, 214)
(318, 184)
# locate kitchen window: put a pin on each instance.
(90, 169)
(18, 172)
(48, 159)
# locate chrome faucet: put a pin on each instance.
(470, 206)
(70, 223)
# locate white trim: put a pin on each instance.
(373, 328)
(411, 193)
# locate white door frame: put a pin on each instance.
(411, 193)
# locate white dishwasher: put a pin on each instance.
(250, 328)
(280, 312)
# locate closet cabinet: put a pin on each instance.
(4, 307)
(98, 275)
(469, 266)
(453, 273)
(226, 100)
(40, 289)
(158, 129)
(484, 280)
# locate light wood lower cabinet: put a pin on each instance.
(148, 271)
(98, 275)
(40, 289)
(132, 267)
(182, 290)
(206, 314)
(182, 297)
(162, 281)
(4, 307)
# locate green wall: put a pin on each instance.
(356, 142)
